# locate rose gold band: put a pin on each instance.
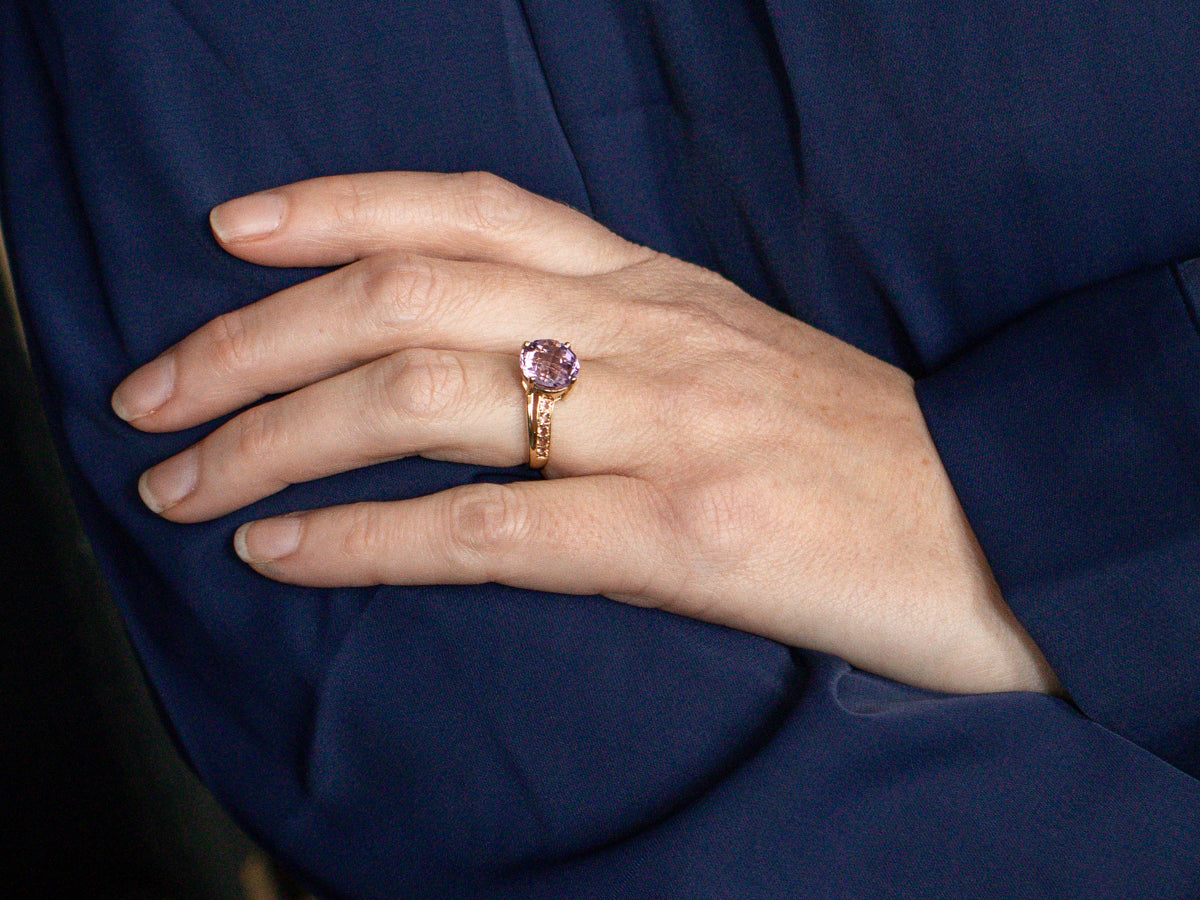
(537, 412)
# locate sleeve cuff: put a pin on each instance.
(1073, 439)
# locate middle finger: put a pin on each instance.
(361, 312)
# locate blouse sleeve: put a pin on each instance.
(1073, 438)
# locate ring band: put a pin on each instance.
(548, 372)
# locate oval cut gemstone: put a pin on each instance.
(549, 365)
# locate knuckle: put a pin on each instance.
(258, 436)
(717, 518)
(352, 204)
(361, 534)
(420, 384)
(698, 320)
(487, 519)
(490, 203)
(399, 288)
(230, 347)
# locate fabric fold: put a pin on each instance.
(1072, 437)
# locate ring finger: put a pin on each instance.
(465, 407)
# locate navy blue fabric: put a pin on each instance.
(989, 194)
(1119, 574)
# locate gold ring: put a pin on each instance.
(548, 372)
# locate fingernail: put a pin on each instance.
(168, 483)
(267, 540)
(249, 217)
(146, 389)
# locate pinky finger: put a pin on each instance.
(590, 535)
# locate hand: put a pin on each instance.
(717, 458)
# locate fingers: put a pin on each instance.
(440, 404)
(577, 535)
(355, 314)
(476, 215)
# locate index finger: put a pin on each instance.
(475, 216)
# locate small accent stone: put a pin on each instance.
(549, 365)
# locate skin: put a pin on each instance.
(717, 458)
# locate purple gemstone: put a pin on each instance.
(548, 365)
